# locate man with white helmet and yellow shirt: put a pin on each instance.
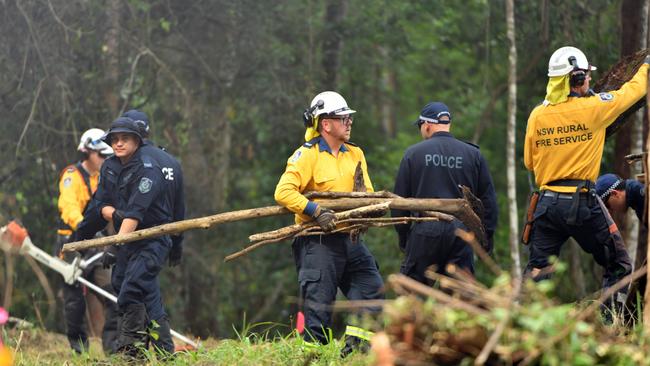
(327, 161)
(77, 184)
(563, 148)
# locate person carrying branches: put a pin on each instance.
(327, 161)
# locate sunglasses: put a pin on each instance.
(345, 120)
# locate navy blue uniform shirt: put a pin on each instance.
(173, 174)
(137, 188)
(434, 168)
(635, 196)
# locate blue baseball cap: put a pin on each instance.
(140, 118)
(606, 183)
(432, 113)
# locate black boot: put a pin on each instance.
(75, 310)
(111, 329)
(79, 346)
(352, 344)
(163, 345)
(133, 337)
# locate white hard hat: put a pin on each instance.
(92, 140)
(329, 102)
(566, 59)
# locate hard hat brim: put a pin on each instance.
(345, 112)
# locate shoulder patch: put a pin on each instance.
(471, 144)
(295, 156)
(605, 97)
(145, 185)
(71, 169)
(67, 182)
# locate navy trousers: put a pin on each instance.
(594, 230)
(435, 243)
(135, 275)
(326, 263)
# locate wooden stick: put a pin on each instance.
(494, 338)
(177, 227)
(380, 194)
(402, 281)
(471, 240)
(290, 231)
(296, 228)
(584, 314)
(448, 206)
(313, 230)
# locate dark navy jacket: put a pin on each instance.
(173, 174)
(434, 168)
(635, 196)
(108, 194)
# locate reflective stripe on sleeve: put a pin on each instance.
(358, 332)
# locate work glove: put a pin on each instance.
(647, 59)
(118, 217)
(325, 219)
(110, 257)
(175, 254)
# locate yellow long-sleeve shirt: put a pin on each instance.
(313, 168)
(74, 196)
(566, 140)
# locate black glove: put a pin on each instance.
(118, 217)
(175, 254)
(110, 257)
(325, 219)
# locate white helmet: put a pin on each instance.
(329, 102)
(92, 140)
(566, 59)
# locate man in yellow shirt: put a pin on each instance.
(77, 184)
(327, 162)
(563, 147)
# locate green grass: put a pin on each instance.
(38, 347)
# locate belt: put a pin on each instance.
(566, 196)
(588, 185)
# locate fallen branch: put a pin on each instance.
(177, 227)
(400, 281)
(470, 239)
(454, 207)
(494, 338)
(333, 195)
(380, 208)
(585, 313)
(315, 230)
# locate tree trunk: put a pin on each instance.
(637, 122)
(631, 42)
(333, 42)
(511, 143)
(646, 297)
(111, 52)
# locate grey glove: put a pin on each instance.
(647, 59)
(325, 219)
(110, 257)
